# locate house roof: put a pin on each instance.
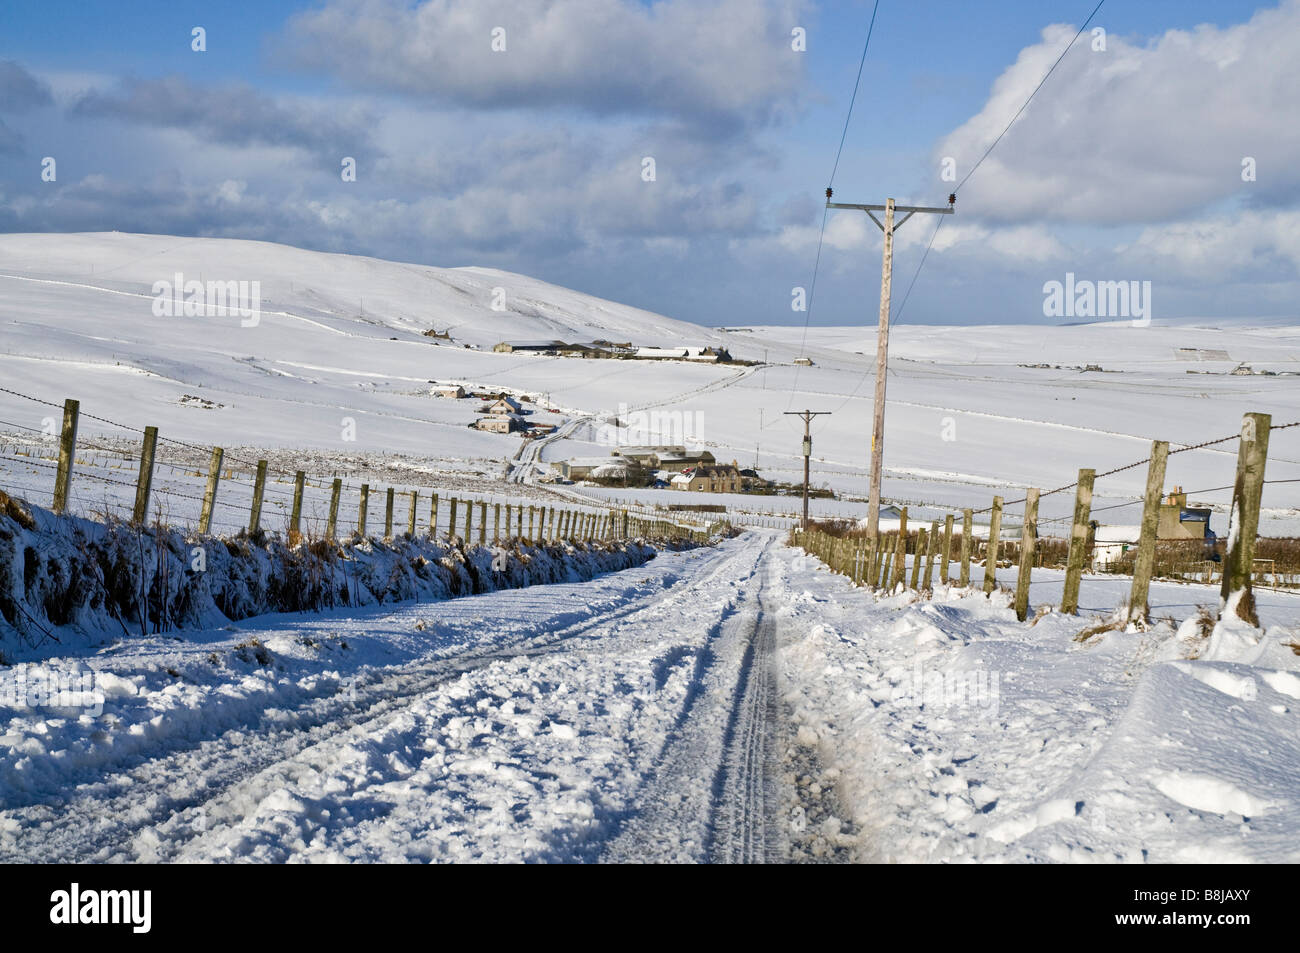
(598, 462)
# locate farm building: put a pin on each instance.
(804, 361)
(1112, 542)
(678, 462)
(649, 456)
(453, 391)
(509, 347)
(611, 467)
(705, 354)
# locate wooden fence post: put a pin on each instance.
(259, 493)
(519, 520)
(947, 549)
(482, 522)
(1028, 538)
(1146, 554)
(930, 555)
(433, 518)
(332, 526)
(362, 507)
(900, 551)
(1235, 593)
(469, 520)
(451, 515)
(210, 492)
(1078, 541)
(917, 559)
(67, 455)
(144, 482)
(410, 521)
(295, 515)
(496, 523)
(967, 518)
(509, 519)
(995, 533)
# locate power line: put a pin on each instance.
(993, 144)
(854, 98)
(821, 234)
(1024, 105)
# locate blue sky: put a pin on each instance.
(1126, 166)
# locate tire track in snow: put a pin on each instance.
(105, 819)
(712, 794)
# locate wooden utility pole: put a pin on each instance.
(807, 416)
(888, 227)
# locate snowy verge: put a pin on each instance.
(952, 732)
(68, 584)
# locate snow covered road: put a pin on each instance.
(736, 703)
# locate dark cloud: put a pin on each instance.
(20, 90)
(233, 115)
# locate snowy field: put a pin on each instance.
(338, 367)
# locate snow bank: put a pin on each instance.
(65, 581)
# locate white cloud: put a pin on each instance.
(1223, 247)
(1139, 133)
(727, 63)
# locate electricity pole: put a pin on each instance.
(807, 416)
(889, 226)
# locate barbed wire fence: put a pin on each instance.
(186, 484)
(881, 562)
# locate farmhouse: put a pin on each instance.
(709, 479)
(1179, 521)
(500, 423)
(453, 391)
(504, 404)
